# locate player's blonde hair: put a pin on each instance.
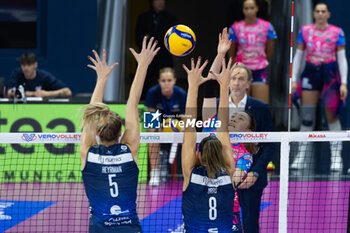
(107, 124)
(211, 156)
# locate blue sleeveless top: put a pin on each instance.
(207, 204)
(110, 178)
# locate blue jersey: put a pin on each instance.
(174, 106)
(42, 81)
(110, 178)
(207, 204)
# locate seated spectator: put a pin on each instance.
(170, 100)
(36, 82)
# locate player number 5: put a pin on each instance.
(113, 185)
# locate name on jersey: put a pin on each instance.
(118, 221)
(111, 169)
(109, 159)
(205, 181)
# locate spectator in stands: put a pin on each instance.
(170, 100)
(251, 189)
(36, 82)
(325, 75)
(155, 23)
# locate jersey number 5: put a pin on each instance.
(113, 185)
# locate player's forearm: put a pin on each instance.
(222, 132)
(191, 107)
(10, 93)
(97, 95)
(137, 85)
(223, 108)
(131, 113)
(191, 102)
(64, 92)
(269, 49)
(216, 65)
(29, 93)
(343, 66)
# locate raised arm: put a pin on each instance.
(188, 155)
(103, 71)
(222, 132)
(131, 135)
(209, 102)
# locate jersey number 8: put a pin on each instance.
(212, 208)
(113, 185)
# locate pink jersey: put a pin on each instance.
(251, 42)
(321, 45)
(240, 151)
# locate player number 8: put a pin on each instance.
(212, 208)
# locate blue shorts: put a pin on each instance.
(99, 227)
(324, 78)
(260, 76)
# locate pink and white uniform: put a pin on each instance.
(321, 45)
(321, 70)
(251, 42)
(243, 160)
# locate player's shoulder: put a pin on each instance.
(44, 74)
(239, 23)
(154, 90)
(307, 27)
(17, 72)
(264, 22)
(334, 28)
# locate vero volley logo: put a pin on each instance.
(42, 137)
(29, 137)
(151, 120)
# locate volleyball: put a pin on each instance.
(180, 40)
(171, 125)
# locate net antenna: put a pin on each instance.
(290, 66)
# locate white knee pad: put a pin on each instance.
(308, 115)
(335, 126)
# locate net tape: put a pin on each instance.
(34, 137)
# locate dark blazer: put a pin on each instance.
(262, 115)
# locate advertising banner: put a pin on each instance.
(49, 161)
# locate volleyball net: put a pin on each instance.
(41, 188)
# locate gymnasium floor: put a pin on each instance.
(314, 206)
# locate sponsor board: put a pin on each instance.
(40, 157)
(248, 136)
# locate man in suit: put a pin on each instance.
(250, 191)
